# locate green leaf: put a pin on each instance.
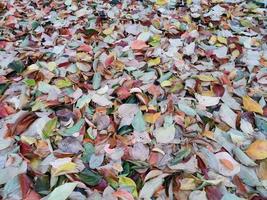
(3, 87)
(90, 31)
(49, 127)
(35, 24)
(125, 130)
(62, 83)
(17, 66)
(74, 129)
(128, 184)
(62, 192)
(261, 123)
(85, 99)
(38, 105)
(183, 153)
(89, 149)
(165, 77)
(89, 177)
(96, 80)
(42, 184)
(30, 82)
(139, 123)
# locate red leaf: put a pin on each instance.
(213, 193)
(25, 183)
(3, 111)
(239, 184)
(123, 93)
(32, 195)
(109, 60)
(265, 111)
(25, 149)
(202, 166)
(85, 48)
(218, 90)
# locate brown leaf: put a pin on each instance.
(21, 124)
(24, 184)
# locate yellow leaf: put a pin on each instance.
(257, 150)
(108, 31)
(213, 40)
(166, 83)
(153, 62)
(125, 181)
(251, 105)
(235, 53)
(222, 40)
(188, 2)
(34, 163)
(27, 139)
(208, 93)
(151, 117)
(64, 168)
(187, 184)
(263, 170)
(206, 78)
(208, 134)
(51, 66)
(161, 2)
(82, 56)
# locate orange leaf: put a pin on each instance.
(228, 164)
(138, 45)
(151, 117)
(257, 150)
(124, 195)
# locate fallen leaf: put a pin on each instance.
(62, 192)
(251, 105)
(257, 150)
(138, 45)
(165, 134)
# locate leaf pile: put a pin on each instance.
(152, 99)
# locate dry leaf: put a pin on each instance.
(251, 105)
(257, 150)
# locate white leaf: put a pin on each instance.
(228, 116)
(96, 160)
(151, 186)
(246, 126)
(197, 195)
(190, 166)
(207, 101)
(165, 134)
(101, 100)
(127, 113)
(62, 192)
